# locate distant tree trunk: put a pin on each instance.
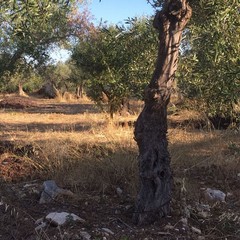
(21, 91)
(111, 110)
(153, 200)
(79, 91)
(125, 107)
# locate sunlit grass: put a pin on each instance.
(90, 151)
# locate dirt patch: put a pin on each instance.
(41, 105)
(20, 210)
(111, 210)
(15, 102)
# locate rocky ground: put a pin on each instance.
(108, 216)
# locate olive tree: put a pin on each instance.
(154, 197)
(117, 61)
(210, 66)
(28, 30)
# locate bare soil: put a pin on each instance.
(19, 205)
(38, 105)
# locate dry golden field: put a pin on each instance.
(85, 151)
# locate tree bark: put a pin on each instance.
(79, 91)
(21, 92)
(154, 197)
(125, 107)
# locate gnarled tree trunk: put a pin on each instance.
(153, 200)
(79, 91)
(21, 92)
(125, 107)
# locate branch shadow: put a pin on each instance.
(45, 127)
(60, 108)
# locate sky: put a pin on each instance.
(116, 11)
(112, 12)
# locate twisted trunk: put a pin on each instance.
(153, 200)
(79, 91)
(21, 92)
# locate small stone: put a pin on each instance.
(229, 195)
(108, 231)
(203, 207)
(196, 230)
(184, 221)
(119, 191)
(168, 227)
(203, 211)
(201, 238)
(51, 191)
(30, 185)
(35, 191)
(117, 212)
(62, 218)
(212, 195)
(22, 195)
(128, 207)
(39, 221)
(163, 233)
(41, 226)
(85, 235)
(203, 215)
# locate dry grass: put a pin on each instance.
(190, 148)
(83, 150)
(89, 151)
(86, 151)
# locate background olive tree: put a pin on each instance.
(117, 61)
(209, 68)
(30, 29)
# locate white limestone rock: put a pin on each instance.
(212, 195)
(85, 235)
(62, 218)
(51, 191)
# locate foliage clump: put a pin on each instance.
(117, 61)
(209, 66)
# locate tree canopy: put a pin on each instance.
(209, 69)
(118, 60)
(28, 28)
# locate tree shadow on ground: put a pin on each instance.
(45, 127)
(61, 108)
(34, 105)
